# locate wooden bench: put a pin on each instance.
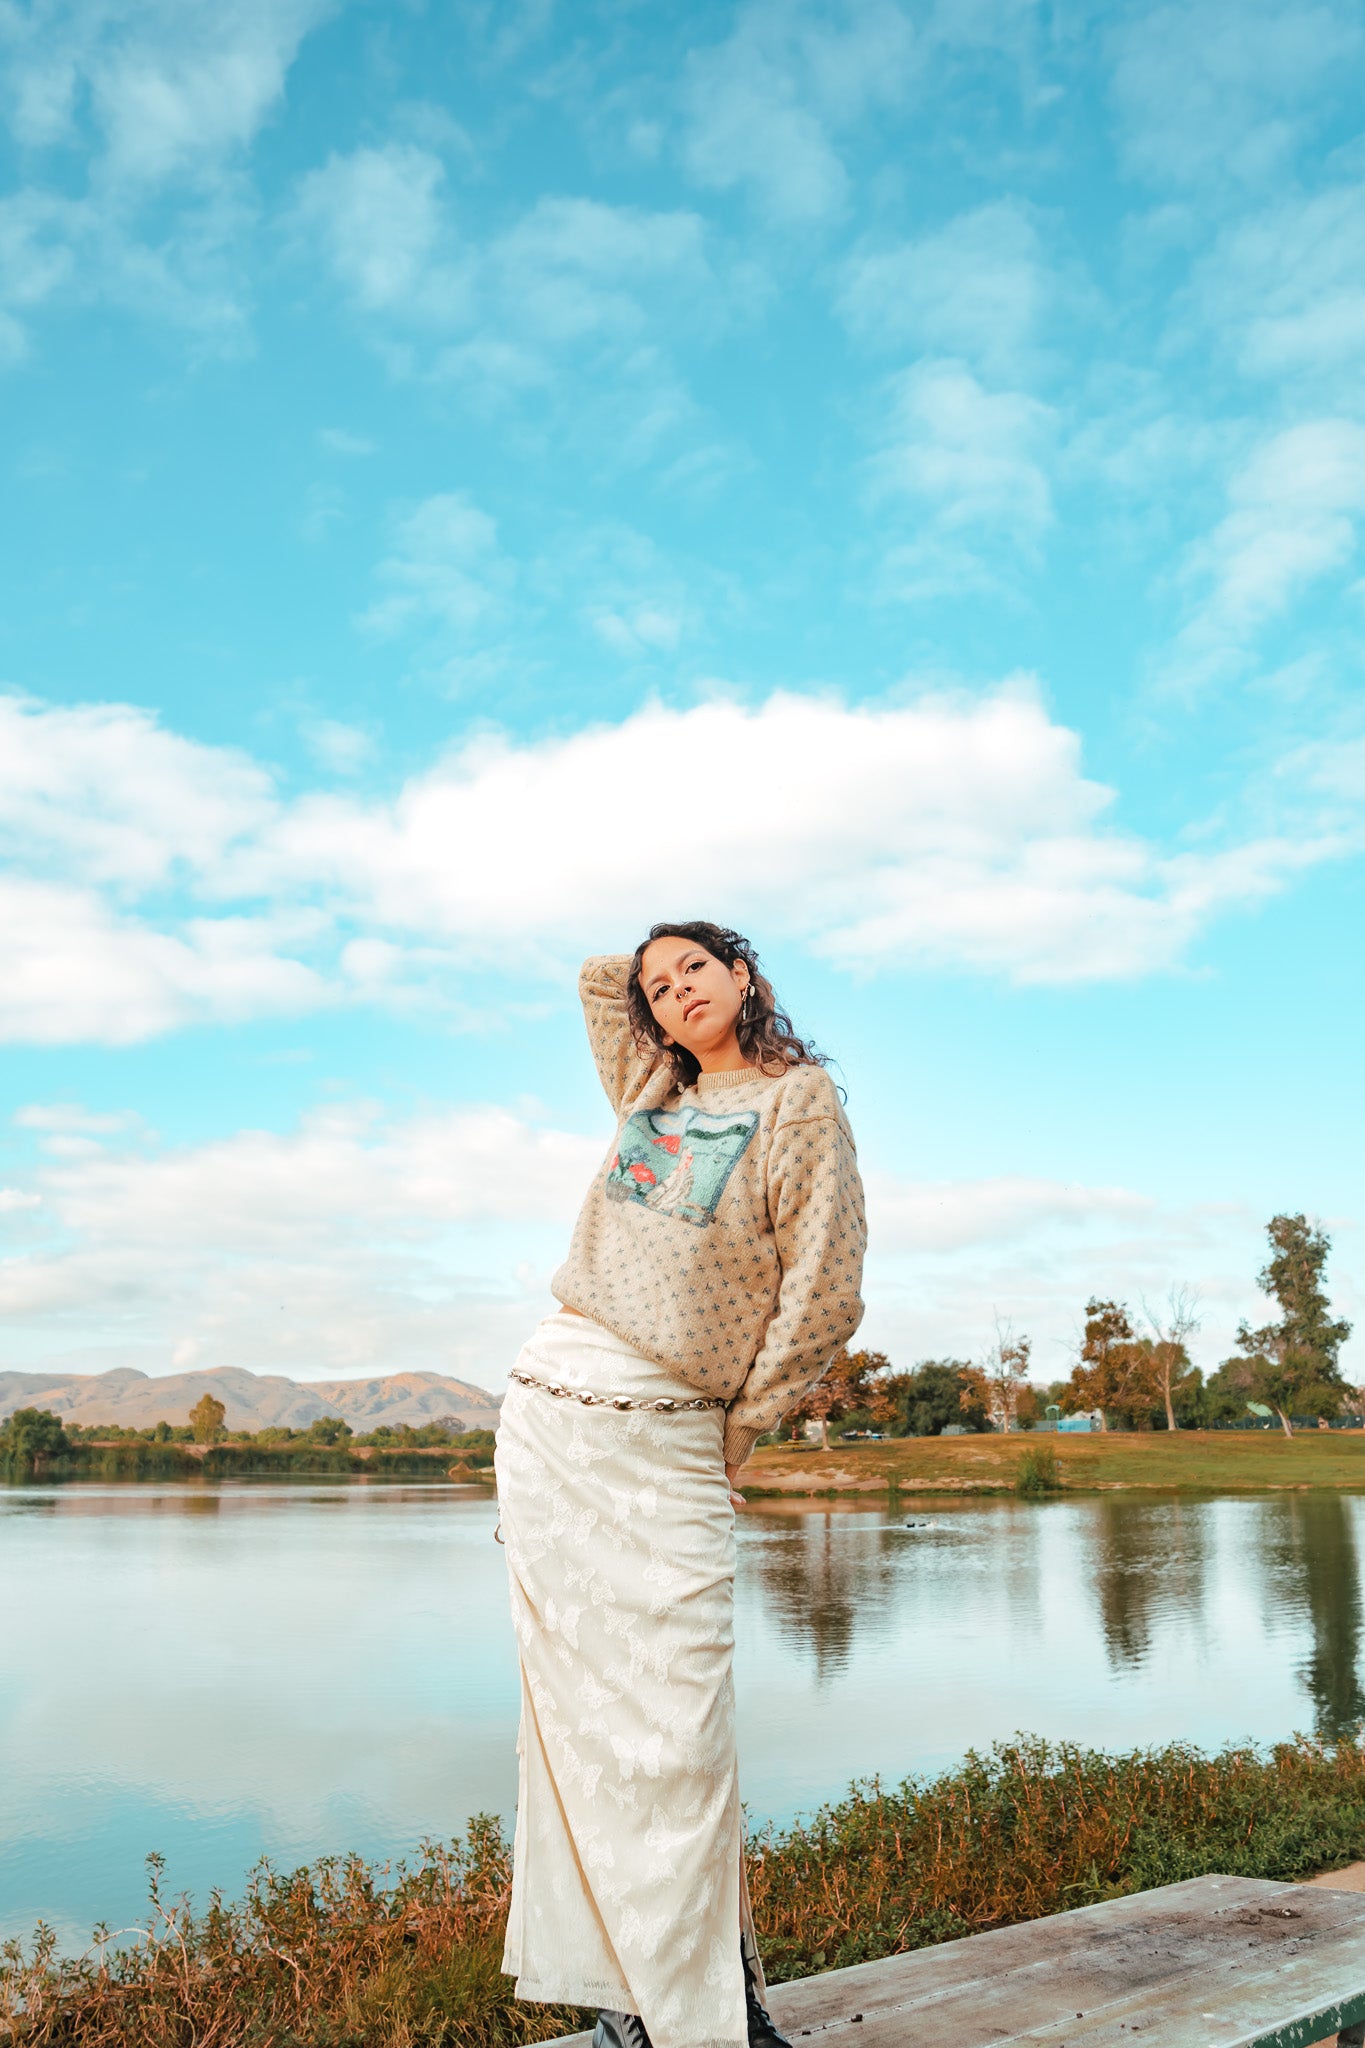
(1217, 1962)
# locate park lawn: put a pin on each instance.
(1187, 1461)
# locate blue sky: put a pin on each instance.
(478, 479)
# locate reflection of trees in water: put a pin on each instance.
(1310, 1551)
(822, 1575)
(1146, 1553)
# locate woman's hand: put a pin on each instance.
(732, 1479)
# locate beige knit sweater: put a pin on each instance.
(724, 1236)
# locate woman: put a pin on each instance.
(714, 1271)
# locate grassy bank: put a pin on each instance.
(1188, 1461)
(342, 1956)
(133, 1460)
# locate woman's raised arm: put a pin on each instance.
(622, 1067)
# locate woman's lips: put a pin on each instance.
(697, 1003)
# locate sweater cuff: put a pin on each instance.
(739, 1441)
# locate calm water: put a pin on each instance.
(221, 1673)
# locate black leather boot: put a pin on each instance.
(619, 2030)
(763, 2032)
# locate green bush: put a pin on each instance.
(1038, 1473)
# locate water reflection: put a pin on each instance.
(343, 1654)
(1309, 1547)
(1148, 1556)
(824, 1574)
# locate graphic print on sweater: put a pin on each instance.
(678, 1160)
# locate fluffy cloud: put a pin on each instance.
(1293, 515)
(77, 971)
(159, 882)
(445, 568)
(763, 110)
(571, 278)
(162, 100)
(1284, 289)
(979, 288)
(168, 88)
(949, 832)
(357, 1242)
(380, 215)
(349, 1245)
(106, 790)
(1224, 89)
(970, 467)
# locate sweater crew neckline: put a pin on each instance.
(733, 1077)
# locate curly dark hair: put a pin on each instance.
(766, 1034)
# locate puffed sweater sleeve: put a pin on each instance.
(815, 1200)
(622, 1068)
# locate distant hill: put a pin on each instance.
(252, 1400)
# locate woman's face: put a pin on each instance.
(695, 998)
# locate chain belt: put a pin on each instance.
(665, 1406)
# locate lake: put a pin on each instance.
(224, 1672)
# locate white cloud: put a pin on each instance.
(499, 314)
(167, 86)
(340, 748)
(955, 1215)
(445, 567)
(763, 109)
(380, 215)
(979, 288)
(158, 103)
(159, 883)
(76, 971)
(106, 790)
(940, 832)
(350, 1245)
(972, 462)
(1293, 512)
(1224, 89)
(1284, 289)
(358, 1242)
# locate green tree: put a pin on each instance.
(329, 1429)
(206, 1419)
(938, 1392)
(1293, 1361)
(30, 1441)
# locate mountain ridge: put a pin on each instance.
(136, 1400)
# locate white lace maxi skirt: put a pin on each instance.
(628, 1883)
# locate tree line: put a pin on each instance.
(1133, 1378)
(1133, 1372)
(36, 1444)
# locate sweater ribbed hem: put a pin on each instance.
(739, 1442)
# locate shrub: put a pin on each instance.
(341, 1955)
(1037, 1472)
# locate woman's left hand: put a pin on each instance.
(732, 1478)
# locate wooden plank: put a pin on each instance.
(1070, 1959)
(1216, 1962)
